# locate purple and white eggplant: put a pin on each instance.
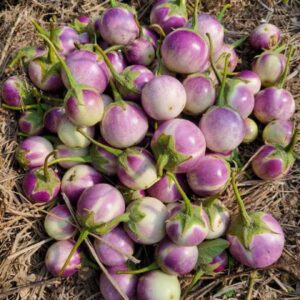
(239, 97)
(269, 66)
(114, 247)
(163, 98)
(118, 25)
(147, 219)
(265, 36)
(251, 131)
(63, 152)
(31, 122)
(124, 124)
(169, 15)
(136, 169)
(219, 218)
(68, 134)
(40, 187)
(127, 283)
(251, 79)
(278, 132)
(174, 259)
(273, 162)
(32, 152)
(222, 126)
(256, 238)
(165, 189)
(139, 76)
(77, 179)
(58, 223)
(165, 286)
(56, 256)
(210, 177)
(178, 146)
(200, 94)
(208, 24)
(14, 92)
(52, 117)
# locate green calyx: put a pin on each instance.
(78, 26)
(20, 156)
(135, 215)
(123, 157)
(98, 160)
(44, 183)
(213, 208)
(129, 195)
(189, 220)
(246, 233)
(167, 156)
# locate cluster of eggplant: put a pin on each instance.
(138, 126)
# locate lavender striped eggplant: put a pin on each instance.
(57, 255)
(58, 223)
(210, 177)
(114, 247)
(32, 151)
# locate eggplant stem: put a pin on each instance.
(162, 161)
(81, 159)
(282, 81)
(211, 59)
(187, 202)
(291, 147)
(24, 107)
(107, 227)
(221, 14)
(153, 266)
(113, 151)
(195, 15)
(243, 211)
(239, 42)
(38, 94)
(83, 235)
(158, 29)
(221, 97)
(116, 94)
(46, 165)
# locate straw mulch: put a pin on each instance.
(23, 241)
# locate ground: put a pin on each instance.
(23, 241)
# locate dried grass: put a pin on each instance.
(23, 241)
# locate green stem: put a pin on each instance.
(279, 49)
(123, 81)
(116, 94)
(25, 107)
(83, 235)
(38, 94)
(70, 77)
(287, 66)
(113, 3)
(16, 59)
(187, 202)
(153, 266)
(221, 97)
(46, 165)
(195, 15)
(209, 201)
(81, 159)
(114, 48)
(239, 42)
(51, 54)
(39, 28)
(194, 281)
(221, 14)
(107, 227)
(162, 161)
(113, 151)
(181, 4)
(158, 29)
(291, 147)
(211, 59)
(138, 24)
(243, 211)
